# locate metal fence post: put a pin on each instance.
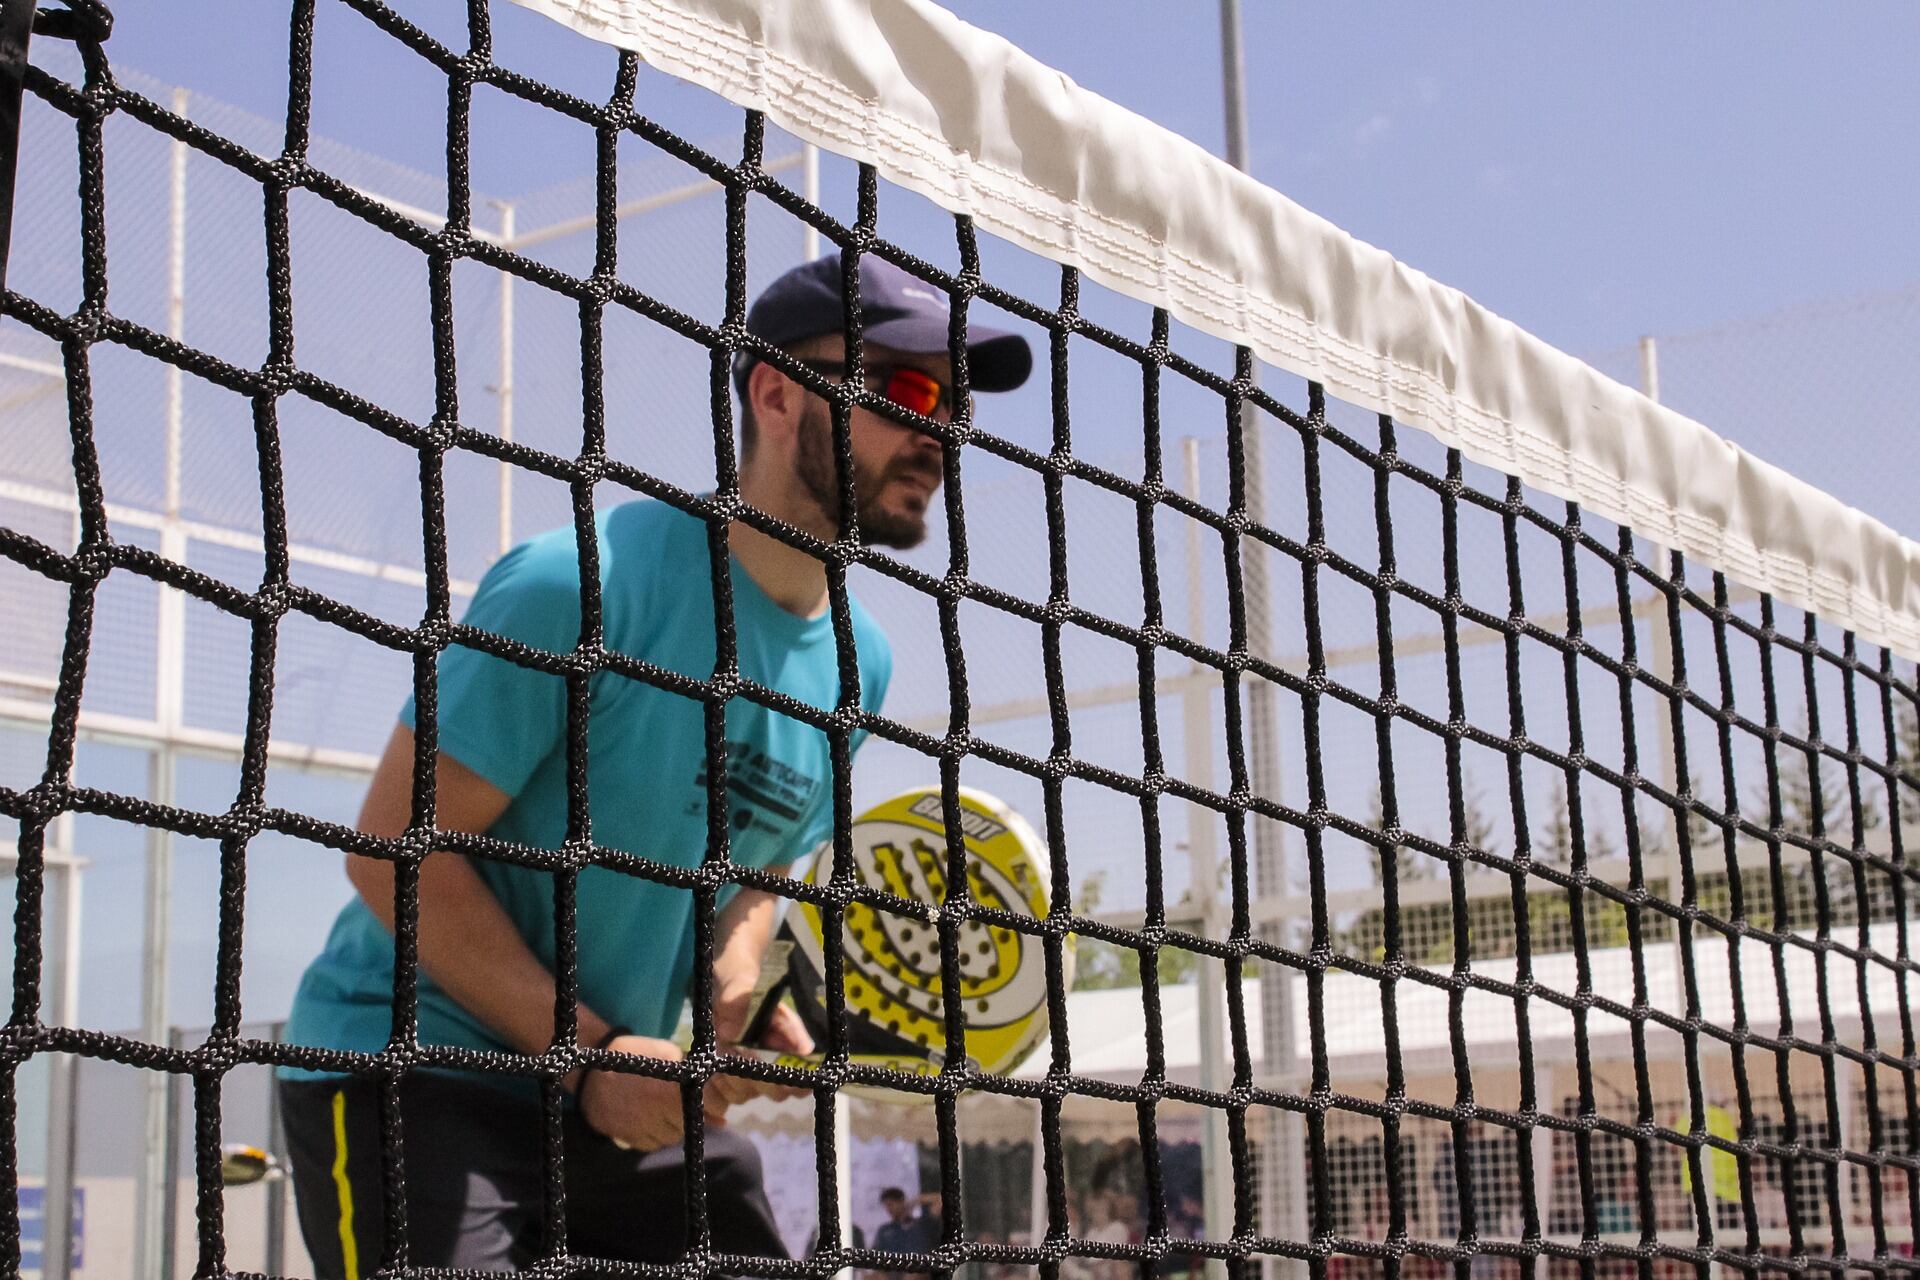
(63, 1076)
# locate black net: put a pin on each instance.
(1621, 983)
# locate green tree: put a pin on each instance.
(1553, 844)
(1801, 801)
(1599, 839)
(1475, 827)
(1406, 864)
(1906, 748)
(1703, 835)
(1814, 797)
(1365, 935)
(1101, 965)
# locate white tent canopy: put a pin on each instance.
(1107, 1030)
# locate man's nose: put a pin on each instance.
(930, 445)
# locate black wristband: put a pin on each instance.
(586, 1073)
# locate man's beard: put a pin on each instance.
(814, 462)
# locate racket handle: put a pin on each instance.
(764, 1014)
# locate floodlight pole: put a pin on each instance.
(63, 1070)
(1203, 896)
(1281, 1056)
(504, 388)
(1660, 659)
(169, 681)
(1233, 77)
(810, 184)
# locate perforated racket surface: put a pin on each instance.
(895, 992)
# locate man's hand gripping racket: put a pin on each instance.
(896, 1014)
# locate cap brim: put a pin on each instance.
(996, 360)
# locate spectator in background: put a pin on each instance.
(912, 1226)
(994, 1269)
(1186, 1220)
(1113, 1217)
(855, 1237)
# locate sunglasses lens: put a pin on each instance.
(914, 391)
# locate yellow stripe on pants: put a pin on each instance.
(349, 1254)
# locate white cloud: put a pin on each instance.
(1376, 127)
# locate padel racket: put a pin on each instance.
(896, 1015)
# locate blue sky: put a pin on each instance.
(1592, 173)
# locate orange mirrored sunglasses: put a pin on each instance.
(914, 390)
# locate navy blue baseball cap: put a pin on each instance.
(897, 309)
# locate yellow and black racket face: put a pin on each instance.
(893, 963)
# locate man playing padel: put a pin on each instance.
(474, 1178)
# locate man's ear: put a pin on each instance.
(776, 400)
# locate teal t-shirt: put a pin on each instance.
(646, 771)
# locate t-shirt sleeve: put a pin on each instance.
(876, 670)
(498, 718)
